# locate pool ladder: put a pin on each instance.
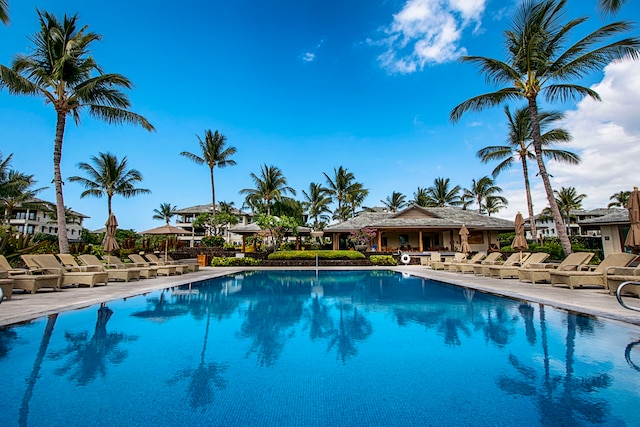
(619, 294)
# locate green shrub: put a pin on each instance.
(383, 260)
(234, 262)
(312, 255)
(213, 241)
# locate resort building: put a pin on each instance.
(546, 227)
(612, 228)
(186, 217)
(39, 216)
(420, 229)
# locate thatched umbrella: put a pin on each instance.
(165, 230)
(464, 240)
(520, 241)
(109, 243)
(633, 237)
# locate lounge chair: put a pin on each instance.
(532, 272)
(50, 264)
(124, 274)
(433, 257)
(6, 284)
(192, 266)
(443, 265)
(619, 275)
(71, 264)
(476, 259)
(161, 270)
(516, 257)
(509, 271)
(490, 259)
(145, 272)
(154, 260)
(4, 265)
(595, 277)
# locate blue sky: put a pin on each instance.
(308, 86)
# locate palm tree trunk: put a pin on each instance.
(63, 242)
(109, 197)
(213, 193)
(527, 188)
(553, 205)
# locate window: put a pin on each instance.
(21, 229)
(30, 229)
(32, 215)
(43, 229)
(21, 215)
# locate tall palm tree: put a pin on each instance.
(271, 185)
(519, 147)
(539, 64)
(611, 5)
(4, 11)
(165, 212)
(214, 154)
(395, 202)
(493, 204)
(18, 190)
(568, 200)
(440, 194)
(354, 198)
(339, 184)
(316, 202)
(109, 177)
(420, 197)
(62, 70)
(619, 199)
(481, 190)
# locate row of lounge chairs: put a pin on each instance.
(573, 271)
(58, 271)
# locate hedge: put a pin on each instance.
(233, 261)
(383, 260)
(284, 255)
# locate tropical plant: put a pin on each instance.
(4, 11)
(421, 197)
(395, 202)
(165, 212)
(269, 186)
(568, 200)
(316, 203)
(339, 184)
(60, 70)
(519, 147)
(15, 187)
(277, 227)
(109, 177)
(215, 224)
(215, 241)
(493, 204)
(619, 199)
(214, 153)
(353, 199)
(440, 194)
(611, 5)
(481, 190)
(383, 260)
(363, 236)
(538, 63)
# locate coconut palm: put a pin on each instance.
(165, 212)
(619, 199)
(4, 11)
(354, 198)
(214, 154)
(271, 185)
(62, 70)
(316, 202)
(493, 204)
(108, 177)
(339, 184)
(519, 147)
(568, 200)
(18, 190)
(611, 5)
(481, 190)
(440, 194)
(539, 63)
(395, 202)
(420, 197)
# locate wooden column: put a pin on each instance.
(420, 247)
(244, 243)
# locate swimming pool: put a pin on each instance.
(319, 348)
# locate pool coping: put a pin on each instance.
(590, 301)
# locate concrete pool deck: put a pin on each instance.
(591, 301)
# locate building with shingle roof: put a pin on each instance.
(613, 229)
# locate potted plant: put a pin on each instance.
(361, 239)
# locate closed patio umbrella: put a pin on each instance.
(165, 230)
(109, 243)
(520, 241)
(464, 240)
(633, 237)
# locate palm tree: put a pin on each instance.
(214, 154)
(538, 63)
(109, 177)
(481, 190)
(493, 204)
(316, 202)
(420, 197)
(269, 186)
(611, 5)
(339, 184)
(165, 212)
(354, 198)
(619, 199)
(60, 70)
(395, 202)
(4, 12)
(519, 146)
(17, 191)
(441, 195)
(568, 199)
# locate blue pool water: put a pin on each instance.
(306, 348)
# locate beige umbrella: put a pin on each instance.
(464, 240)
(165, 230)
(633, 237)
(109, 243)
(520, 241)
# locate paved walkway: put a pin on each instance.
(592, 301)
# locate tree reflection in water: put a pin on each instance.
(7, 338)
(86, 356)
(499, 326)
(321, 324)
(351, 328)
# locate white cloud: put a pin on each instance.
(428, 32)
(308, 57)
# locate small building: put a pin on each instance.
(38, 216)
(612, 228)
(186, 217)
(423, 229)
(546, 226)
